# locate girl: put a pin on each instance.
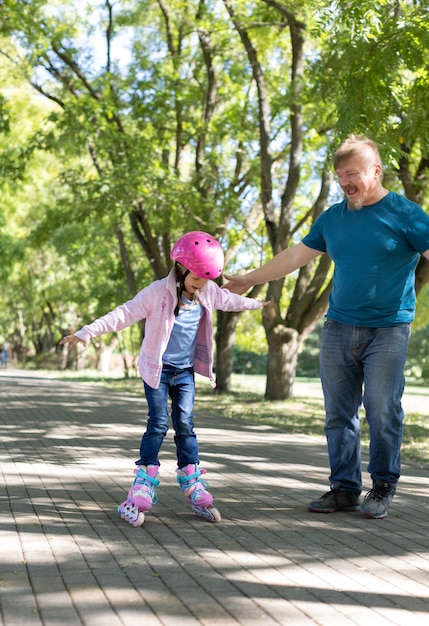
(178, 341)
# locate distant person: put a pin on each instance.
(178, 341)
(374, 237)
(5, 354)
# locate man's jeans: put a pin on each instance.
(179, 385)
(363, 366)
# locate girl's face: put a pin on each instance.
(194, 283)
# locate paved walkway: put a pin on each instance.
(66, 557)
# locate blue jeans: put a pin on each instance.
(179, 385)
(363, 366)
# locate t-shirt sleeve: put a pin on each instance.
(418, 229)
(315, 238)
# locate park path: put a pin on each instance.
(67, 559)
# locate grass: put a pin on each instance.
(303, 414)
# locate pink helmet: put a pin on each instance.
(200, 253)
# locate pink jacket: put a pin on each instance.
(156, 304)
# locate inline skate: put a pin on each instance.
(141, 496)
(195, 492)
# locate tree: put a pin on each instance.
(380, 55)
(374, 76)
(127, 136)
(218, 115)
(291, 319)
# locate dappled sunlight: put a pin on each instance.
(63, 544)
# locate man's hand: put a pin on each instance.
(237, 284)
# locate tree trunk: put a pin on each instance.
(104, 354)
(225, 335)
(284, 345)
(422, 274)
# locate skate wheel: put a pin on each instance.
(216, 514)
(131, 514)
(210, 513)
(139, 520)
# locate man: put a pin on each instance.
(374, 237)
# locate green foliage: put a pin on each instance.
(373, 71)
(124, 125)
(417, 366)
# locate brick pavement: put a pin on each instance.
(66, 557)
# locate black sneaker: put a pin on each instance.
(335, 500)
(377, 501)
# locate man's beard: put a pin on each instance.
(354, 205)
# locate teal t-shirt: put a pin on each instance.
(375, 251)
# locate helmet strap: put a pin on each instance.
(180, 285)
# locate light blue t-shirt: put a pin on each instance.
(181, 346)
(375, 251)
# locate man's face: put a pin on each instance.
(359, 179)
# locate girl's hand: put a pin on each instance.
(72, 340)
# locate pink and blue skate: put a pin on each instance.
(141, 495)
(195, 491)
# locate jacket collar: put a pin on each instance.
(171, 282)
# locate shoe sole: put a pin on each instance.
(348, 508)
(372, 516)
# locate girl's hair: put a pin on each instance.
(180, 285)
(355, 145)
